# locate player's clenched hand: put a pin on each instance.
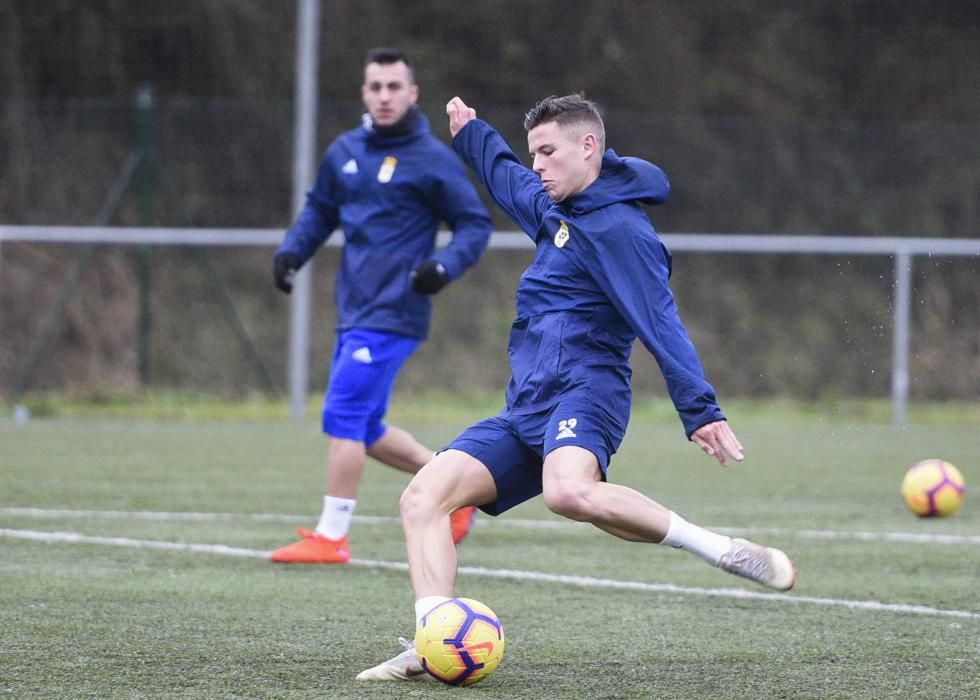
(717, 439)
(459, 115)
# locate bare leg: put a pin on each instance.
(452, 480)
(397, 448)
(573, 488)
(346, 460)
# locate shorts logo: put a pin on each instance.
(387, 170)
(566, 429)
(561, 236)
(363, 355)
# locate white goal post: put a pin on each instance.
(902, 250)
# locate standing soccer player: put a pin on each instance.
(598, 281)
(388, 184)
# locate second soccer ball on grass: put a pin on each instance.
(933, 488)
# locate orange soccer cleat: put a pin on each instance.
(314, 548)
(461, 520)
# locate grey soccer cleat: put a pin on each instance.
(404, 667)
(766, 565)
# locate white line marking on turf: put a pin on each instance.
(513, 574)
(75, 538)
(908, 537)
(155, 515)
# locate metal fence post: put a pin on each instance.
(304, 141)
(900, 338)
(1, 295)
(144, 255)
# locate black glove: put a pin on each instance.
(284, 267)
(429, 277)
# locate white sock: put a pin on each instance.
(424, 605)
(708, 545)
(335, 518)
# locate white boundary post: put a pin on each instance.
(304, 163)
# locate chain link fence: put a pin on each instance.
(799, 326)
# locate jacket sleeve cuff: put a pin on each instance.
(695, 419)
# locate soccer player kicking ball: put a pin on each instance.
(599, 280)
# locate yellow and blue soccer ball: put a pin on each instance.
(460, 641)
(933, 488)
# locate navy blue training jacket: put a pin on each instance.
(389, 194)
(598, 281)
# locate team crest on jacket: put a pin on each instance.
(561, 236)
(387, 169)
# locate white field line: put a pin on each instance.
(904, 537)
(512, 574)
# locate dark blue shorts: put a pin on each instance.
(362, 375)
(513, 446)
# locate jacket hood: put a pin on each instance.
(621, 180)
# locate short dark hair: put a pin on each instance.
(567, 110)
(386, 55)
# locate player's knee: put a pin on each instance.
(567, 499)
(417, 504)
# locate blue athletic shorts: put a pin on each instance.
(362, 376)
(513, 446)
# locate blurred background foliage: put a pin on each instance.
(827, 117)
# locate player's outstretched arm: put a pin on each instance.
(514, 187)
(717, 439)
(459, 115)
